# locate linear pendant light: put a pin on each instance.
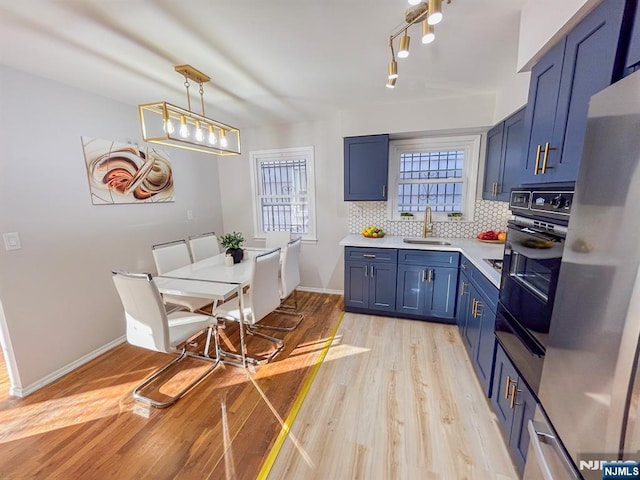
(174, 126)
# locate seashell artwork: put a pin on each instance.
(125, 173)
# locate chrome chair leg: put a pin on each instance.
(137, 395)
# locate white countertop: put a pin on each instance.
(471, 248)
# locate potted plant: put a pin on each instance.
(455, 215)
(233, 244)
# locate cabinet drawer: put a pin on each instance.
(430, 258)
(380, 255)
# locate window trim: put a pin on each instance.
(469, 143)
(283, 154)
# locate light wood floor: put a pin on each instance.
(394, 399)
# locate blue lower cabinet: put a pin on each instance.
(476, 319)
(427, 284)
(382, 287)
(370, 279)
(514, 404)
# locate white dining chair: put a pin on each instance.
(263, 298)
(148, 326)
(169, 256)
(204, 246)
(289, 281)
(277, 240)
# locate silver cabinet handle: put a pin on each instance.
(371, 271)
(429, 275)
(366, 270)
(424, 276)
(384, 191)
(539, 433)
(368, 255)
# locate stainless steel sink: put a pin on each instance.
(425, 241)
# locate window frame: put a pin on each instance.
(469, 143)
(283, 154)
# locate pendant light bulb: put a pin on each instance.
(428, 34)
(414, 2)
(435, 12)
(184, 130)
(393, 70)
(403, 51)
(199, 133)
(223, 140)
(212, 135)
(168, 126)
(391, 83)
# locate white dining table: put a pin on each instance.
(212, 278)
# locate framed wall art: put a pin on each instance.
(125, 173)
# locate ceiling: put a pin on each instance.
(272, 61)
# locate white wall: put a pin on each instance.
(418, 116)
(322, 263)
(512, 96)
(58, 298)
(543, 23)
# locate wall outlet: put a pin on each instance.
(189, 214)
(11, 241)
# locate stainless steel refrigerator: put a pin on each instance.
(590, 387)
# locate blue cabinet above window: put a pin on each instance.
(366, 168)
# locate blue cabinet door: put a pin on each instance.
(366, 166)
(486, 345)
(524, 408)
(633, 53)
(493, 159)
(382, 286)
(464, 300)
(441, 292)
(512, 155)
(544, 87)
(356, 285)
(562, 82)
(412, 288)
(505, 149)
(588, 67)
(505, 380)
(472, 328)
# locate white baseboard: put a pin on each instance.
(24, 391)
(321, 290)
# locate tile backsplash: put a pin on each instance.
(489, 215)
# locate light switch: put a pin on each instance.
(189, 214)
(11, 241)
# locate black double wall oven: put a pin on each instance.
(531, 265)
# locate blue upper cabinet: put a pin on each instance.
(562, 83)
(633, 54)
(505, 145)
(366, 166)
(541, 109)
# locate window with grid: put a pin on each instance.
(435, 172)
(283, 191)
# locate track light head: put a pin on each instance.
(403, 51)
(393, 69)
(428, 34)
(435, 12)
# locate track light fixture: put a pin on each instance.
(167, 124)
(426, 12)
